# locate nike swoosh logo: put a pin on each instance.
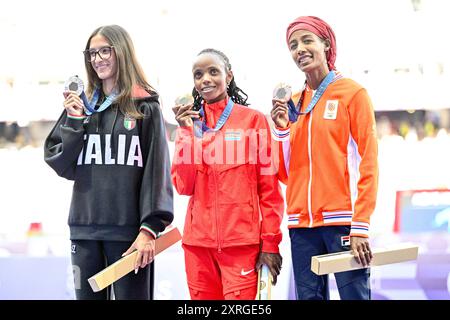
(244, 273)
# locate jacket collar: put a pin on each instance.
(213, 111)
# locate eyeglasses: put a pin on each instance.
(103, 53)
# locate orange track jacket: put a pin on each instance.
(328, 160)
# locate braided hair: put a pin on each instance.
(234, 92)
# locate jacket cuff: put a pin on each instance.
(74, 121)
(286, 128)
(270, 242)
(147, 229)
(270, 247)
(359, 229)
(281, 134)
(152, 225)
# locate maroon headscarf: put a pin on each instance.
(321, 29)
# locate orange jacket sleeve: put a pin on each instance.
(363, 132)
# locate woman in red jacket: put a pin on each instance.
(328, 160)
(223, 162)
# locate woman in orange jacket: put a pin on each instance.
(328, 160)
(223, 162)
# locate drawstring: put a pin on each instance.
(99, 119)
(111, 139)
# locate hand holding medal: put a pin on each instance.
(73, 88)
(281, 95)
(183, 110)
(282, 92)
(186, 99)
(90, 107)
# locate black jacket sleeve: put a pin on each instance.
(156, 196)
(63, 145)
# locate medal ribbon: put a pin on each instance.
(200, 125)
(294, 111)
(90, 105)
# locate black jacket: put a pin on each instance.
(120, 168)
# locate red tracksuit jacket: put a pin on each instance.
(235, 195)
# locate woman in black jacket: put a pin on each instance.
(112, 144)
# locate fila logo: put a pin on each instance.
(244, 273)
(345, 241)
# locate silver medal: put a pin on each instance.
(282, 91)
(75, 84)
